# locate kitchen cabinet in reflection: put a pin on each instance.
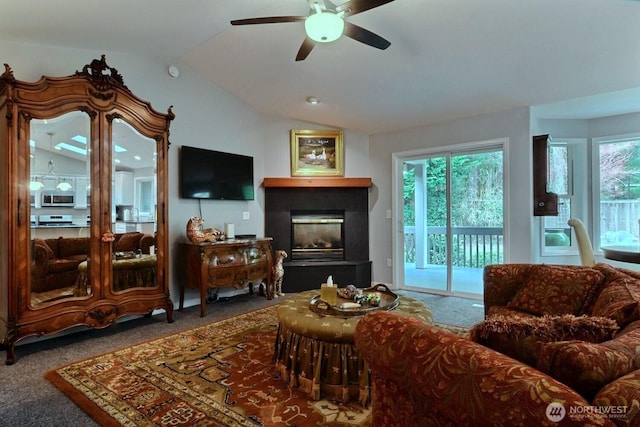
(147, 227)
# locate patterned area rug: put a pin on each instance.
(219, 374)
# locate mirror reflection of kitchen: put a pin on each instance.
(60, 208)
(133, 208)
(134, 180)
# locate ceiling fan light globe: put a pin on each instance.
(324, 27)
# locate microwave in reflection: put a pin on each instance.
(58, 199)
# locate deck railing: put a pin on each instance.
(471, 246)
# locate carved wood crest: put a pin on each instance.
(102, 76)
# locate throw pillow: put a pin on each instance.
(585, 367)
(556, 290)
(41, 243)
(68, 247)
(502, 281)
(585, 328)
(499, 310)
(519, 337)
(127, 242)
(619, 300)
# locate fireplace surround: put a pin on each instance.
(345, 199)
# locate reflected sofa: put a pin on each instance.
(55, 261)
(425, 376)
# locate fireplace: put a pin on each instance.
(341, 250)
(317, 236)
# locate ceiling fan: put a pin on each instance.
(327, 22)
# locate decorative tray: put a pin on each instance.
(388, 301)
(125, 255)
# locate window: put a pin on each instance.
(617, 190)
(145, 199)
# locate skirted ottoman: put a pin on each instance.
(317, 354)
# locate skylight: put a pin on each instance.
(79, 138)
(83, 140)
(65, 146)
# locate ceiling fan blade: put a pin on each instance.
(268, 20)
(305, 49)
(365, 36)
(358, 6)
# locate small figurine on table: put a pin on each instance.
(197, 234)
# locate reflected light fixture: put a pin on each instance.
(36, 185)
(62, 184)
(313, 100)
(324, 26)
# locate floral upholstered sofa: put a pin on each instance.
(585, 369)
(581, 325)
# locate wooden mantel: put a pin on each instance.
(302, 182)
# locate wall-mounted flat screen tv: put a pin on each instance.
(209, 174)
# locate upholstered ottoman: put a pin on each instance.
(127, 273)
(317, 354)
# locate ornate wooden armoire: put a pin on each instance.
(82, 130)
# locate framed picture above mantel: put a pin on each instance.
(317, 153)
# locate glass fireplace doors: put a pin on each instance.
(317, 236)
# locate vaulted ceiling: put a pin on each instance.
(448, 58)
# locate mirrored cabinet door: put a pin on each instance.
(134, 201)
(60, 167)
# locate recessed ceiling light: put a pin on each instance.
(173, 71)
(312, 100)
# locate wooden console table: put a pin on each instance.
(224, 264)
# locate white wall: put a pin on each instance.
(561, 128)
(277, 162)
(593, 128)
(206, 116)
(513, 125)
(615, 125)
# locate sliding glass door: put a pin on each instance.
(452, 205)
